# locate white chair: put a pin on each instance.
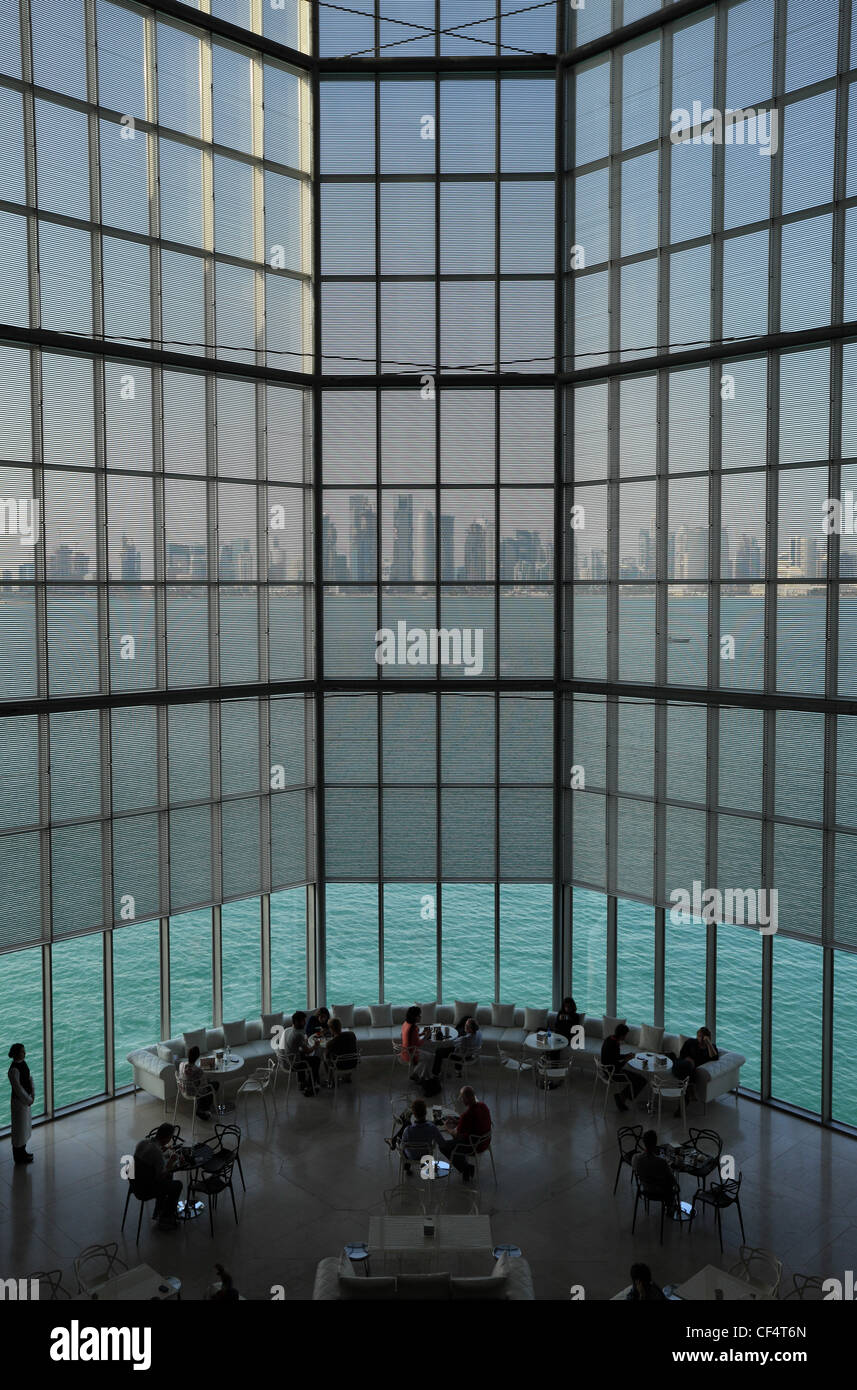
(400, 1061)
(552, 1075)
(292, 1066)
(475, 1148)
(613, 1085)
(193, 1096)
(673, 1091)
(344, 1068)
(759, 1268)
(95, 1265)
(514, 1066)
(406, 1199)
(260, 1083)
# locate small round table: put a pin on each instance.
(555, 1042)
(654, 1067)
(223, 1067)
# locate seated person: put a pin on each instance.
(655, 1174)
(343, 1043)
(613, 1056)
(468, 1045)
(223, 1290)
(642, 1289)
(412, 1036)
(695, 1053)
(473, 1122)
(152, 1167)
(198, 1083)
(446, 1049)
(306, 1062)
(319, 1022)
(418, 1137)
(567, 1018)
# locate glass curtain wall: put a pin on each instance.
(437, 283)
(156, 595)
(708, 423)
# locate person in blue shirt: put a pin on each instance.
(416, 1138)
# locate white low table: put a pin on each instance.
(556, 1042)
(702, 1287)
(138, 1284)
(451, 1233)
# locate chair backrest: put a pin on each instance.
(758, 1266)
(404, 1200)
(604, 1072)
(52, 1279)
(222, 1132)
(97, 1263)
(805, 1285)
(174, 1143)
(630, 1140)
(674, 1085)
(707, 1141)
(346, 1061)
(727, 1188)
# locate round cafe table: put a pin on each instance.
(652, 1068)
(223, 1068)
(554, 1042)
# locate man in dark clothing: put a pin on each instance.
(152, 1176)
(341, 1045)
(655, 1174)
(695, 1053)
(472, 1134)
(642, 1289)
(613, 1056)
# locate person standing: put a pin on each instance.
(23, 1095)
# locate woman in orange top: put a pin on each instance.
(411, 1036)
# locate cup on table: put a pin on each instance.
(437, 1114)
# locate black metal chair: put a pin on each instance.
(807, 1287)
(224, 1152)
(668, 1201)
(709, 1142)
(721, 1195)
(630, 1144)
(212, 1184)
(143, 1195)
(52, 1279)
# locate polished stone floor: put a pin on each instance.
(315, 1173)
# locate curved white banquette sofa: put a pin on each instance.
(377, 1026)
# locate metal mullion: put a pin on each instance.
(316, 961)
(266, 953)
(109, 1005)
(164, 964)
(217, 964)
(497, 866)
(379, 802)
(48, 1028)
(438, 845)
(561, 916)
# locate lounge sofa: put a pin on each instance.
(336, 1280)
(378, 1026)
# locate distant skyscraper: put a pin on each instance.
(402, 568)
(66, 563)
(725, 555)
(362, 541)
(130, 560)
(474, 553)
(748, 558)
(447, 547)
(426, 545)
(328, 547)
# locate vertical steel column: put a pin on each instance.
(48, 1028)
(316, 899)
(771, 555)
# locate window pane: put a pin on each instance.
(288, 951)
(796, 1024)
(351, 914)
(21, 991)
(78, 974)
(635, 962)
(241, 959)
(190, 972)
(526, 911)
(410, 941)
(739, 998)
(468, 942)
(136, 993)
